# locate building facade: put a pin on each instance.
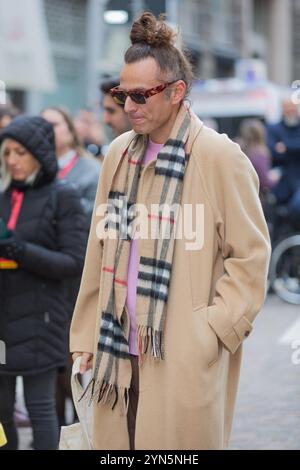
(218, 33)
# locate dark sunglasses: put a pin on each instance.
(139, 97)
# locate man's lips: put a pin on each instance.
(136, 118)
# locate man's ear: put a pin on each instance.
(178, 92)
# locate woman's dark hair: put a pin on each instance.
(152, 37)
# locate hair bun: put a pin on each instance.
(148, 30)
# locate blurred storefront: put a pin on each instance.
(26, 63)
(57, 51)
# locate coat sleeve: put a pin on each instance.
(244, 238)
(292, 144)
(273, 137)
(67, 261)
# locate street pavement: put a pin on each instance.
(268, 406)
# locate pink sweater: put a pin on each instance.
(151, 153)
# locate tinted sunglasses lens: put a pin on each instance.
(119, 97)
(138, 98)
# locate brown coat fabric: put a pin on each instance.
(187, 400)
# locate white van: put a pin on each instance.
(228, 101)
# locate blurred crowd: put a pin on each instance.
(49, 171)
(50, 167)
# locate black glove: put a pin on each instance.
(12, 248)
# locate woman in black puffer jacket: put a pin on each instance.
(42, 248)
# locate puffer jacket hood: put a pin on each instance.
(37, 136)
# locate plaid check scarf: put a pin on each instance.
(112, 368)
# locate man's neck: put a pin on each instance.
(161, 135)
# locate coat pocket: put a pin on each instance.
(206, 337)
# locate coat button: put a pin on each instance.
(247, 333)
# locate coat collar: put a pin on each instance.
(195, 128)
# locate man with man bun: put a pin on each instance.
(162, 312)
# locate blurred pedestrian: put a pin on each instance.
(253, 143)
(7, 114)
(75, 165)
(114, 115)
(284, 145)
(162, 322)
(82, 170)
(42, 245)
(90, 132)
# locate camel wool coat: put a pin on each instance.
(186, 401)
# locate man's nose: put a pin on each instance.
(130, 105)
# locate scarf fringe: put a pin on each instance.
(104, 393)
(148, 336)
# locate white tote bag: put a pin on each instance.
(77, 436)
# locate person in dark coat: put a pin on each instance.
(284, 145)
(80, 168)
(42, 246)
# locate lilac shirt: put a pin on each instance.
(151, 152)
